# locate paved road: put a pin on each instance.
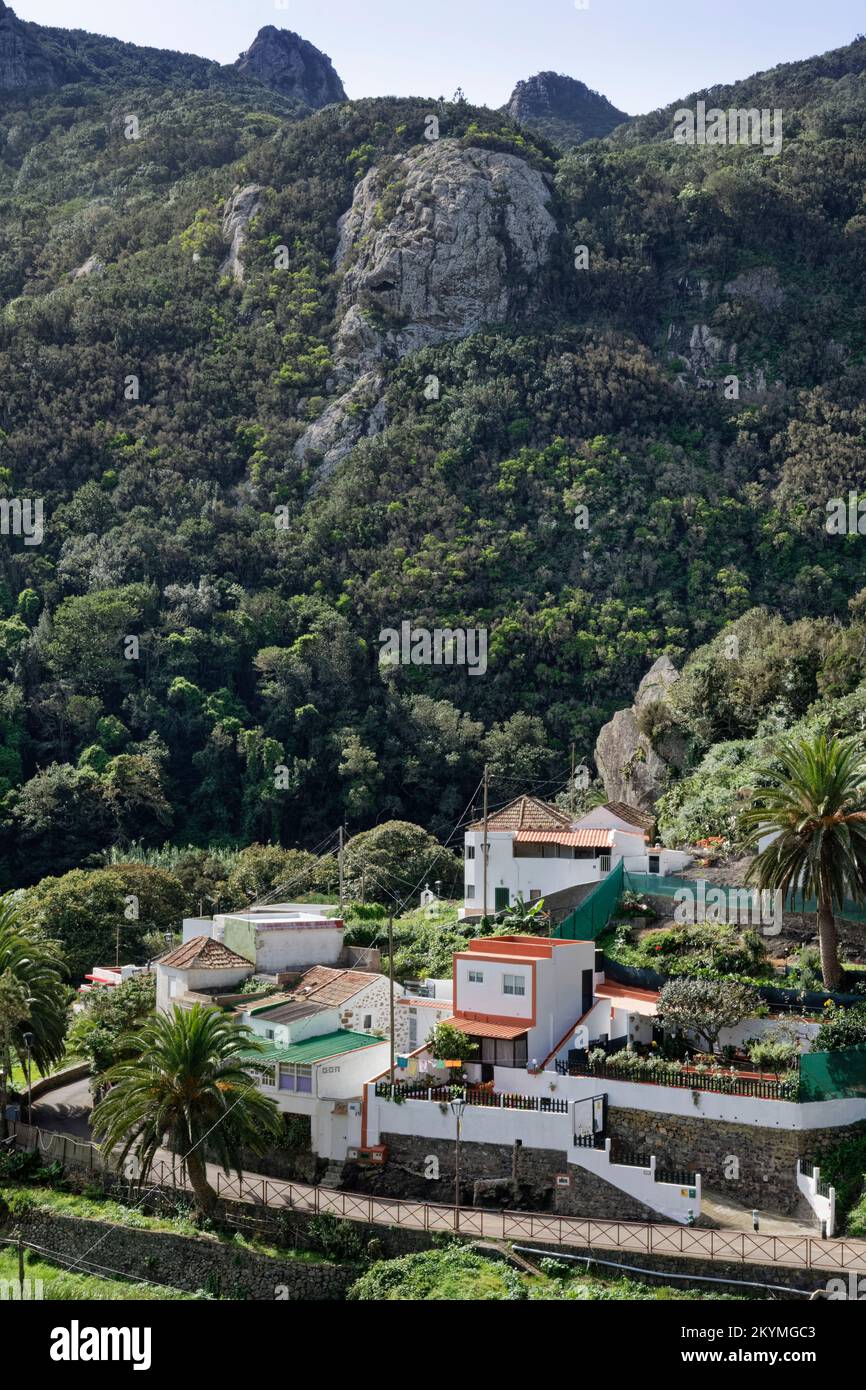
(66, 1110)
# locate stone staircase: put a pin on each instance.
(333, 1175)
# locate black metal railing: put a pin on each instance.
(472, 1095)
(720, 1082)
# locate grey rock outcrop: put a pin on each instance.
(358, 413)
(435, 246)
(238, 212)
(468, 235)
(293, 67)
(23, 60)
(632, 768)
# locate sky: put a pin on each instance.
(639, 53)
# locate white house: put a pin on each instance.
(536, 850)
(201, 966)
(529, 1002)
(312, 1066)
(520, 998)
(280, 939)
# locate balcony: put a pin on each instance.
(472, 1095)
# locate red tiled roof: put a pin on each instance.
(203, 953)
(580, 839)
(525, 813)
(328, 986)
(641, 819)
(476, 1029)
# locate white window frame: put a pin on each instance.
(475, 977)
(515, 985)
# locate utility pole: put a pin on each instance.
(340, 863)
(117, 946)
(571, 788)
(484, 846)
(391, 983)
(21, 1268)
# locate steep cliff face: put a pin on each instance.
(563, 109)
(23, 60)
(238, 213)
(293, 67)
(435, 246)
(438, 244)
(632, 768)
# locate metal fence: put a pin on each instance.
(722, 1083)
(584, 1233)
(501, 1100)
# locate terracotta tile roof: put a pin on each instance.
(580, 839)
(642, 819)
(203, 953)
(425, 1003)
(525, 813)
(325, 985)
(478, 1029)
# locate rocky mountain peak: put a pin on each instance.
(563, 109)
(292, 66)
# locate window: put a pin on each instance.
(514, 984)
(269, 1033)
(413, 1028)
(654, 863)
(470, 851)
(470, 890)
(534, 894)
(294, 1077)
(368, 1022)
(476, 977)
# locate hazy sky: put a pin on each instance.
(640, 53)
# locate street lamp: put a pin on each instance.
(457, 1106)
(28, 1041)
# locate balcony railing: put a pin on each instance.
(722, 1083)
(472, 1095)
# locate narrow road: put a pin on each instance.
(66, 1110)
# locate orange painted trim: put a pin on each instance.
(499, 1018)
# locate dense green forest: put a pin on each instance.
(177, 513)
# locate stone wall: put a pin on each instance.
(189, 1263)
(526, 1179)
(766, 1158)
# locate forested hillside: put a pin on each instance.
(161, 405)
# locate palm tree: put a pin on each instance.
(32, 1000)
(191, 1084)
(815, 801)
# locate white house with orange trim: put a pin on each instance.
(535, 850)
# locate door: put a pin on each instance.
(501, 899)
(586, 987)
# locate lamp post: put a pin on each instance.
(457, 1106)
(28, 1041)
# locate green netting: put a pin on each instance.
(660, 887)
(833, 1075)
(589, 920)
